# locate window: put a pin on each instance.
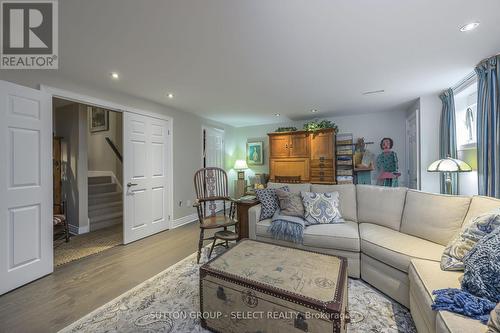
(466, 117)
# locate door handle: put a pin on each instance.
(131, 184)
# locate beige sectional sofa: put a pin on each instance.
(393, 239)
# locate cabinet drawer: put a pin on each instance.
(328, 180)
(321, 172)
(319, 163)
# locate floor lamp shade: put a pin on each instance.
(447, 166)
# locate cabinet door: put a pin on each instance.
(299, 145)
(290, 167)
(279, 145)
(322, 145)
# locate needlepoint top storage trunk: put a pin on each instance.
(261, 287)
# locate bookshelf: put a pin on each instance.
(344, 158)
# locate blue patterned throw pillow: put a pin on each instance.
(482, 268)
(321, 208)
(269, 201)
(463, 242)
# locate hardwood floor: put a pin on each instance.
(75, 289)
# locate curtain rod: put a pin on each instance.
(464, 83)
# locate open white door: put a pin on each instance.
(146, 188)
(213, 147)
(25, 185)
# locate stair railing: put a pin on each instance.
(114, 148)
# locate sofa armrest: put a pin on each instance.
(253, 218)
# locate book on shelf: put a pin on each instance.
(344, 142)
(344, 152)
(344, 172)
(344, 162)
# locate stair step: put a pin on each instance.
(106, 223)
(99, 180)
(102, 188)
(106, 210)
(117, 203)
(104, 217)
(102, 198)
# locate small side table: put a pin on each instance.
(242, 207)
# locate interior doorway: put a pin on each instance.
(413, 149)
(87, 174)
(213, 147)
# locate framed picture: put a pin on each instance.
(255, 153)
(98, 120)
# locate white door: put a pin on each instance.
(146, 189)
(25, 185)
(213, 147)
(412, 150)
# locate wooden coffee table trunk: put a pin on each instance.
(261, 287)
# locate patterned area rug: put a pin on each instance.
(168, 302)
(84, 245)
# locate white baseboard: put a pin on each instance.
(191, 217)
(184, 220)
(73, 229)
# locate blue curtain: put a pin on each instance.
(488, 126)
(448, 136)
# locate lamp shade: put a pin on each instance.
(240, 165)
(449, 165)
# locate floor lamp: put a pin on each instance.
(447, 166)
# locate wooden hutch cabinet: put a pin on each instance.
(309, 155)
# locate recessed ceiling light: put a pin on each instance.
(114, 75)
(170, 95)
(277, 114)
(314, 111)
(381, 91)
(469, 26)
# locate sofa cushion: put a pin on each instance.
(394, 248)
(269, 201)
(426, 276)
(321, 208)
(462, 243)
(341, 236)
(347, 197)
(261, 228)
(434, 217)
(480, 205)
(290, 203)
(294, 188)
(380, 205)
(449, 322)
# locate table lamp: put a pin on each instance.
(448, 166)
(240, 166)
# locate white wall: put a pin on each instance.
(430, 115)
(373, 127)
(70, 124)
(100, 155)
(186, 129)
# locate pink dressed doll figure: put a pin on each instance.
(387, 164)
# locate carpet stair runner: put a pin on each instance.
(105, 202)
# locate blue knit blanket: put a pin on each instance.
(480, 288)
(289, 228)
(464, 303)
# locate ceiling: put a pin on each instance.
(241, 62)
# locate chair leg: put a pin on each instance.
(66, 230)
(227, 245)
(200, 244)
(212, 248)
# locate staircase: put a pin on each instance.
(105, 202)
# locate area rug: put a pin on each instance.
(84, 245)
(168, 302)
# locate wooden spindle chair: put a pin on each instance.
(211, 187)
